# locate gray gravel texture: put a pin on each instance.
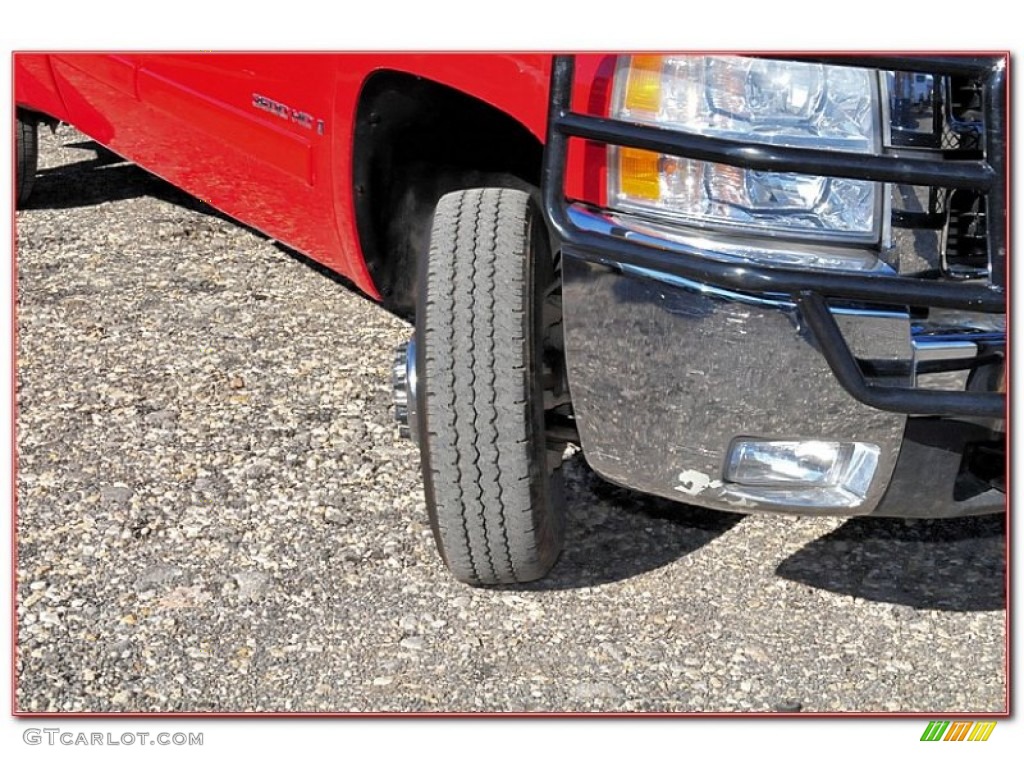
(215, 514)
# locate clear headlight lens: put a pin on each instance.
(756, 100)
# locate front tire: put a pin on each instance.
(496, 509)
(26, 147)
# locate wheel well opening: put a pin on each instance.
(415, 141)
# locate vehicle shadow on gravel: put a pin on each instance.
(949, 565)
(614, 534)
(106, 178)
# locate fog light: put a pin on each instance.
(802, 472)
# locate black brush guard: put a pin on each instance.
(811, 290)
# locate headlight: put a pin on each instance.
(754, 100)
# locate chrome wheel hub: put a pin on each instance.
(403, 387)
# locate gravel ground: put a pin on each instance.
(215, 513)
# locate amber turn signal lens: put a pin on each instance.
(643, 85)
(639, 173)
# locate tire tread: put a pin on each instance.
(490, 502)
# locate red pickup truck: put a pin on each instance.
(751, 283)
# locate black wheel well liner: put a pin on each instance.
(415, 140)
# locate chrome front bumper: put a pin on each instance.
(683, 342)
(666, 373)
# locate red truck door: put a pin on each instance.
(247, 133)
